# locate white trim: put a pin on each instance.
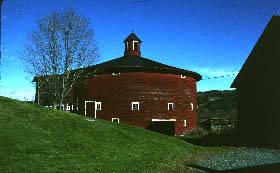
(182, 76)
(192, 106)
(116, 119)
(184, 123)
(86, 108)
(132, 103)
(172, 106)
(133, 44)
(95, 103)
(163, 120)
(68, 107)
(127, 45)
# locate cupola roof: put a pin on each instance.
(131, 37)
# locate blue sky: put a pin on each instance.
(211, 37)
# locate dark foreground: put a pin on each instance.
(246, 158)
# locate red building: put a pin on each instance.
(138, 91)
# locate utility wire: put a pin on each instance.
(217, 77)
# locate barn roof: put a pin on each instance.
(140, 64)
(264, 59)
(135, 63)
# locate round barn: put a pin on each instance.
(138, 91)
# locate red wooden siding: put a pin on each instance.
(152, 90)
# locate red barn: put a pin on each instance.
(138, 91)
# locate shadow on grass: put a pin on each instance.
(215, 140)
(227, 140)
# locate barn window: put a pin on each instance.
(68, 107)
(192, 106)
(170, 106)
(184, 122)
(116, 120)
(116, 74)
(98, 106)
(182, 76)
(134, 105)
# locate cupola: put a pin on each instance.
(132, 45)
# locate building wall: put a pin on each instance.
(258, 115)
(153, 91)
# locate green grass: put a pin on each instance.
(37, 139)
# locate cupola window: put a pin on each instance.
(132, 45)
(135, 45)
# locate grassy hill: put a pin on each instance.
(37, 139)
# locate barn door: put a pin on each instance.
(163, 127)
(90, 108)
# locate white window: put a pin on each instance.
(68, 107)
(135, 45)
(184, 122)
(182, 76)
(116, 74)
(116, 120)
(98, 106)
(192, 106)
(170, 106)
(134, 105)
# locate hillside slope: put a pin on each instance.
(37, 139)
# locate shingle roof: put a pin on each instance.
(141, 64)
(264, 59)
(132, 36)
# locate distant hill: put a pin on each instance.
(216, 104)
(37, 139)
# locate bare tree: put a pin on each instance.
(57, 53)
